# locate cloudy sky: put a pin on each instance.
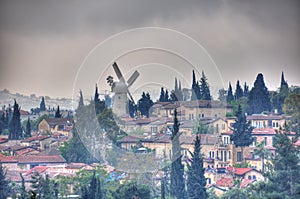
(44, 43)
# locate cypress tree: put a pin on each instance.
(242, 130)
(42, 105)
(229, 94)
(162, 95)
(204, 88)
(131, 108)
(195, 88)
(167, 99)
(258, 100)
(196, 181)
(15, 129)
(80, 103)
(238, 91)
(177, 168)
(144, 104)
(57, 113)
(246, 90)
(28, 129)
(96, 96)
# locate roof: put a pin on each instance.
(40, 159)
(7, 159)
(239, 171)
(259, 131)
(246, 182)
(37, 169)
(225, 182)
(266, 117)
(57, 121)
(35, 138)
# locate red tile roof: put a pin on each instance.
(239, 171)
(7, 159)
(246, 182)
(225, 182)
(40, 159)
(36, 138)
(38, 169)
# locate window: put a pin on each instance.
(225, 156)
(229, 155)
(254, 141)
(249, 177)
(276, 124)
(61, 127)
(265, 141)
(239, 156)
(211, 154)
(254, 177)
(221, 155)
(202, 114)
(217, 128)
(223, 127)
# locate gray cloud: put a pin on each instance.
(53, 37)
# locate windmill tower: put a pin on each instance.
(121, 91)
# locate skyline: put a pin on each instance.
(43, 44)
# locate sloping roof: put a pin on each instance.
(246, 182)
(266, 117)
(7, 159)
(225, 182)
(40, 159)
(35, 138)
(259, 131)
(239, 171)
(58, 121)
(38, 169)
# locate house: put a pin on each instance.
(56, 125)
(8, 162)
(28, 162)
(42, 142)
(267, 121)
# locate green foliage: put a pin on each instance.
(292, 107)
(222, 95)
(93, 190)
(238, 91)
(132, 190)
(42, 105)
(195, 88)
(196, 180)
(246, 90)
(28, 129)
(203, 129)
(57, 113)
(259, 100)
(80, 102)
(229, 94)
(4, 184)
(204, 88)
(162, 95)
(235, 193)
(131, 108)
(23, 193)
(177, 168)
(144, 104)
(243, 102)
(43, 186)
(242, 130)
(15, 128)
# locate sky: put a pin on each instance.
(45, 45)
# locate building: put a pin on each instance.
(56, 125)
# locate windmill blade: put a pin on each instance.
(131, 98)
(118, 72)
(133, 77)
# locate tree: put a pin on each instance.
(28, 129)
(93, 190)
(196, 180)
(177, 168)
(292, 107)
(242, 130)
(246, 90)
(15, 128)
(131, 108)
(262, 152)
(258, 100)
(238, 91)
(144, 104)
(222, 95)
(57, 113)
(167, 99)
(195, 88)
(204, 88)
(23, 193)
(229, 94)
(277, 98)
(99, 104)
(42, 105)
(80, 103)
(132, 191)
(4, 184)
(162, 95)
(284, 173)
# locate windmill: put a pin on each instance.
(121, 89)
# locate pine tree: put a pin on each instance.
(204, 88)
(99, 105)
(238, 91)
(96, 96)
(196, 180)
(230, 97)
(28, 129)
(258, 100)
(283, 93)
(80, 103)
(246, 90)
(57, 113)
(42, 105)
(4, 184)
(131, 108)
(15, 129)
(162, 95)
(167, 99)
(242, 130)
(177, 168)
